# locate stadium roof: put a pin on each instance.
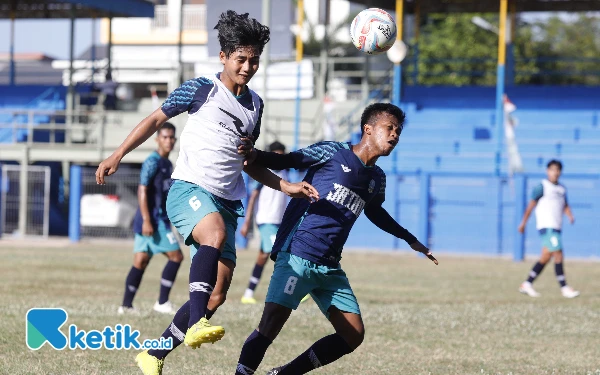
(83, 8)
(485, 6)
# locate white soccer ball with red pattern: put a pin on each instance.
(373, 31)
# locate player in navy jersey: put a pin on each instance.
(152, 226)
(309, 243)
(204, 201)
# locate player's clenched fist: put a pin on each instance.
(107, 167)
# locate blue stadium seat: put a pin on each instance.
(444, 139)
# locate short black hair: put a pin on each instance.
(238, 30)
(554, 162)
(277, 146)
(167, 126)
(372, 111)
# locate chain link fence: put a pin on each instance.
(36, 205)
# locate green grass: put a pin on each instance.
(464, 316)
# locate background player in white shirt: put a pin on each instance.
(550, 197)
(270, 206)
(204, 200)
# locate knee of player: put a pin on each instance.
(141, 263)
(262, 258)
(354, 338)
(176, 257)
(215, 239)
(558, 257)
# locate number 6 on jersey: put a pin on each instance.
(195, 203)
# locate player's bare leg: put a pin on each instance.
(219, 294)
(565, 289)
(272, 321)
(527, 286)
(349, 334)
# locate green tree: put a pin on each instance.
(454, 51)
(566, 52)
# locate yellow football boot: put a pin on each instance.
(249, 301)
(149, 364)
(203, 333)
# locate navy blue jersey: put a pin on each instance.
(156, 176)
(318, 231)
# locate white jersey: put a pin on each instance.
(271, 203)
(551, 202)
(217, 120)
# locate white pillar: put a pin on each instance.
(174, 6)
(23, 190)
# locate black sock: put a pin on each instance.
(256, 274)
(132, 283)
(535, 271)
(210, 313)
(560, 274)
(253, 352)
(176, 331)
(323, 352)
(167, 280)
(203, 276)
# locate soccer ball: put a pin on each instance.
(373, 31)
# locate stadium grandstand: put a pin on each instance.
(450, 171)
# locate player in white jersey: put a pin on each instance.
(549, 199)
(270, 206)
(204, 200)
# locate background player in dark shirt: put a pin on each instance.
(309, 243)
(152, 226)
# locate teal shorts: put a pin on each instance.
(162, 241)
(551, 239)
(295, 277)
(189, 203)
(268, 232)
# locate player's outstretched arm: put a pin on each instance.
(382, 219)
(307, 157)
(274, 160)
(266, 177)
(528, 210)
(569, 213)
(138, 135)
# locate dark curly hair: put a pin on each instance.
(555, 162)
(370, 114)
(238, 30)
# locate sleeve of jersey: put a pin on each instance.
(256, 132)
(188, 97)
(381, 193)
(538, 192)
(382, 219)
(312, 155)
(149, 169)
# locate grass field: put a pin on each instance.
(464, 316)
